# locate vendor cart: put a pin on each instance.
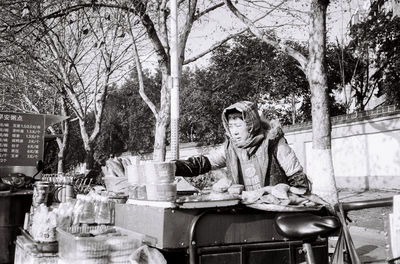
(227, 234)
(13, 206)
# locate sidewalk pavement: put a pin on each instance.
(370, 227)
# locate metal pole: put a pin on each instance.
(174, 81)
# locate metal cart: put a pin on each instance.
(232, 234)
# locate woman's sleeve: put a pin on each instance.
(217, 157)
(291, 166)
(192, 166)
(198, 165)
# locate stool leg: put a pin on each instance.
(309, 253)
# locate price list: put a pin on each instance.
(21, 139)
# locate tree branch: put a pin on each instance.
(220, 43)
(139, 9)
(142, 92)
(208, 10)
(261, 35)
(162, 21)
(187, 28)
(213, 47)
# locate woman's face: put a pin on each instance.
(238, 130)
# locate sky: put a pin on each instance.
(293, 26)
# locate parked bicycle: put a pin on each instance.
(307, 227)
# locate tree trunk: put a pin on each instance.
(64, 142)
(321, 173)
(293, 109)
(163, 119)
(61, 153)
(87, 144)
(89, 158)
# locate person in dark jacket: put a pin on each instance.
(255, 153)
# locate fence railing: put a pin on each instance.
(356, 116)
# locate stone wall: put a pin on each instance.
(365, 148)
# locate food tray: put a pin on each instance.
(208, 204)
(73, 247)
(284, 208)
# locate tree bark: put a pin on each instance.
(163, 118)
(86, 144)
(321, 171)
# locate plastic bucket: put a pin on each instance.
(159, 172)
(135, 174)
(161, 192)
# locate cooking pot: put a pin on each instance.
(15, 181)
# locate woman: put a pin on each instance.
(254, 153)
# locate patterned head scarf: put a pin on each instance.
(252, 119)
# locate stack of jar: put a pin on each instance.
(137, 181)
(92, 209)
(160, 178)
(63, 190)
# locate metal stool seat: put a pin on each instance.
(306, 227)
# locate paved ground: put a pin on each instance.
(369, 227)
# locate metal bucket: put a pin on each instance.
(13, 207)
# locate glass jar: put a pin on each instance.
(87, 216)
(103, 216)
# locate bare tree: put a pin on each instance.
(84, 50)
(26, 90)
(153, 16)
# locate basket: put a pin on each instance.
(117, 184)
(73, 248)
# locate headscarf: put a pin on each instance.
(253, 122)
(261, 132)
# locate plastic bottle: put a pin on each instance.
(103, 216)
(78, 207)
(87, 216)
(96, 202)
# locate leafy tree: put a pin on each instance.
(247, 68)
(201, 107)
(378, 37)
(128, 123)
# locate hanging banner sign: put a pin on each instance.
(21, 138)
